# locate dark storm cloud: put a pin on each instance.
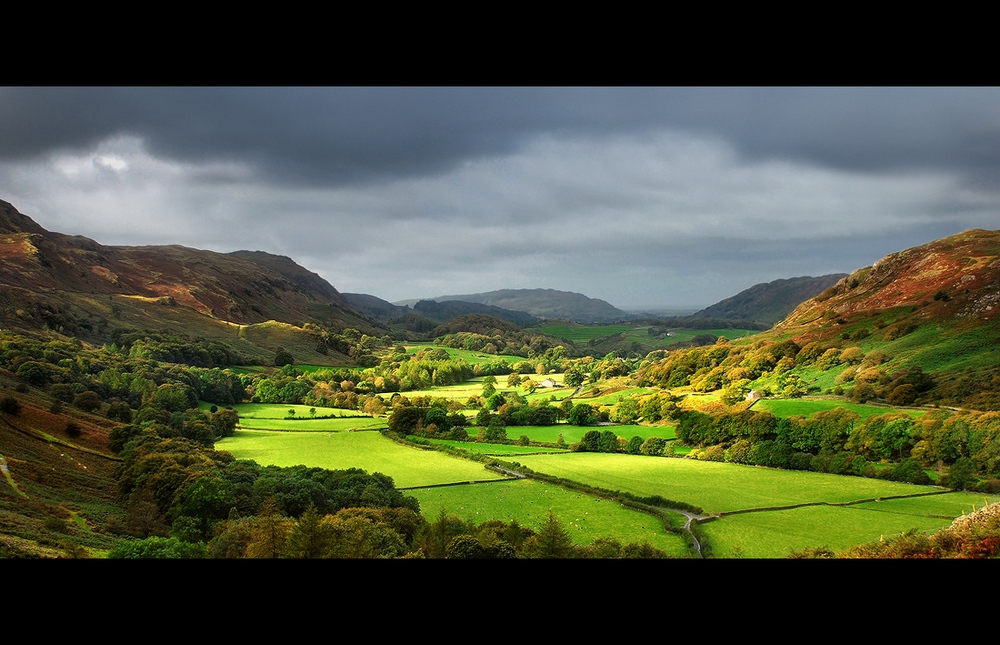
(640, 196)
(331, 136)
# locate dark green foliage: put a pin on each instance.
(10, 405)
(282, 358)
(73, 430)
(88, 401)
(158, 548)
(653, 446)
(119, 411)
(582, 414)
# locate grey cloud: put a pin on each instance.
(332, 135)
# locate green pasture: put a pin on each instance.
(581, 333)
(280, 411)
(529, 502)
(776, 533)
(578, 332)
(770, 531)
(499, 449)
(572, 434)
(807, 406)
(611, 398)
(340, 424)
(273, 416)
(714, 486)
(369, 451)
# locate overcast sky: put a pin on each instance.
(645, 197)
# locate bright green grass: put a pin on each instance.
(369, 451)
(572, 434)
(714, 486)
(529, 502)
(272, 416)
(346, 424)
(499, 449)
(613, 397)
(775, 534)
(280, 411)
(577, 332)
(808, 406)
(718, 487)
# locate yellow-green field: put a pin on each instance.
(529, 502)
(369, 451)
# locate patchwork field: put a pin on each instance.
(527, 501)
(772, 532)
(369, 451)
(762, 512)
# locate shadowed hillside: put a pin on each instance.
(769, 302)
(76, 286)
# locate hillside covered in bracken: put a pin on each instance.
(918, 327)
(74, 285)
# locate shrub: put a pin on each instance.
(10, 405)
(87, 401)
(653, 446)
(73, 430)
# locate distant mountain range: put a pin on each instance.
(770, 302)
(547, 304)
(74, 285)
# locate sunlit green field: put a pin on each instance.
(808, 406)
(281, 411)
(572, 434)
(772, 533)
(714, 486)
(776, 533)
(504, 450)
(270, 416)
(529, 502)
(369, 451)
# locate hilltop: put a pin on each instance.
(79, 287)
(918, 326)
(548, 304)
(769, 302)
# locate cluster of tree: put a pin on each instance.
(368, 532)
(183, 488)
(732, 368)
(173, 348)
(131, 390)
(963, 446)
(482, 333)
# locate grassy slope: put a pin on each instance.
(369, 451)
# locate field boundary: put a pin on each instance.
(765, 509)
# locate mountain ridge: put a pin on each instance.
(770, 302)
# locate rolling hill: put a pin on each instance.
(548, 304)
(76, 286)
(769, 302)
